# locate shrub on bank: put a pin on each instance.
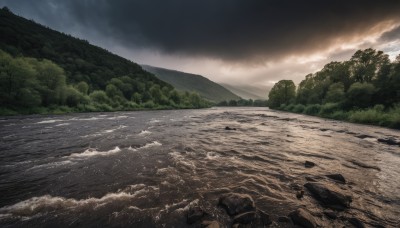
(299, 108)
(313, 109)
(329, 108)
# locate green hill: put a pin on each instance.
(43, 69)
(194, 83)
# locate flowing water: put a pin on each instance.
(145, 169)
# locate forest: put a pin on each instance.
(364, 89)
(45, 71)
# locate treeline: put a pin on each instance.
(365, 89)
(29, 85)
(243, 103)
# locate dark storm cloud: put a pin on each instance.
(391, 35)
(230, 30)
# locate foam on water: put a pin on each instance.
(49, 121)
(93, 152)
(45, 203)
(144, 133)
(152, 144)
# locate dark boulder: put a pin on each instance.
(299, 194)
(330, 214)
(309, 164)
(329, 196)
(356, 222)
(337, 177)
(264, 218)
(389, 141)
(303, 218)
(235, 203)
(194, 214)
(284, 219)
(245, 218)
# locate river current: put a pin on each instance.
(147, 168)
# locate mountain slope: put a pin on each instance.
(80, 60)
(45, 71)
(192, 82)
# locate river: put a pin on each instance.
(147, 168)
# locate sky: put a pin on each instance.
(237, 42)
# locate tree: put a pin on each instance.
(112, 91)
(360, 94)
(51, 78)
(82, 87)
(137, 98)
(282, 92)
(100, 97)
(366, 64)
(335, 93)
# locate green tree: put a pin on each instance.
(137, 98)
(112, 91)
(335, 93)
(51, 78)
(282, 92)
(100, 97)
(82, 87)
(366, 64)
(360, 95)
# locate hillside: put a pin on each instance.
(248, 92)
(42, 70)
(80, 60)
(195, 83)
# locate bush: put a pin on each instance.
(329, 108)
(313, 109)
(289, 108)
(339, 115)
(149, 104)
(368, 116)
(299, 108)
(7, 112)
(282, 107)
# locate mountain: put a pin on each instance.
(191, 82)
(80, 60)
(46, 71)
(248, 92)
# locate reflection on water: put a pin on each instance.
(145, 169)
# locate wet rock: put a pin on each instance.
(309, 164)
(303, 218)
(194, 214)
(284, 219)
(362, 136)
(299, 194)
(230, 129)
(356, 222)
(337, 177)
(264, 218)
(328, 196)
(235, 203)
(330, 214)
(245, 218)
(389, 141)
(210, 224)
(366, 166)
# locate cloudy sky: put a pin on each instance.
(243, 42)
